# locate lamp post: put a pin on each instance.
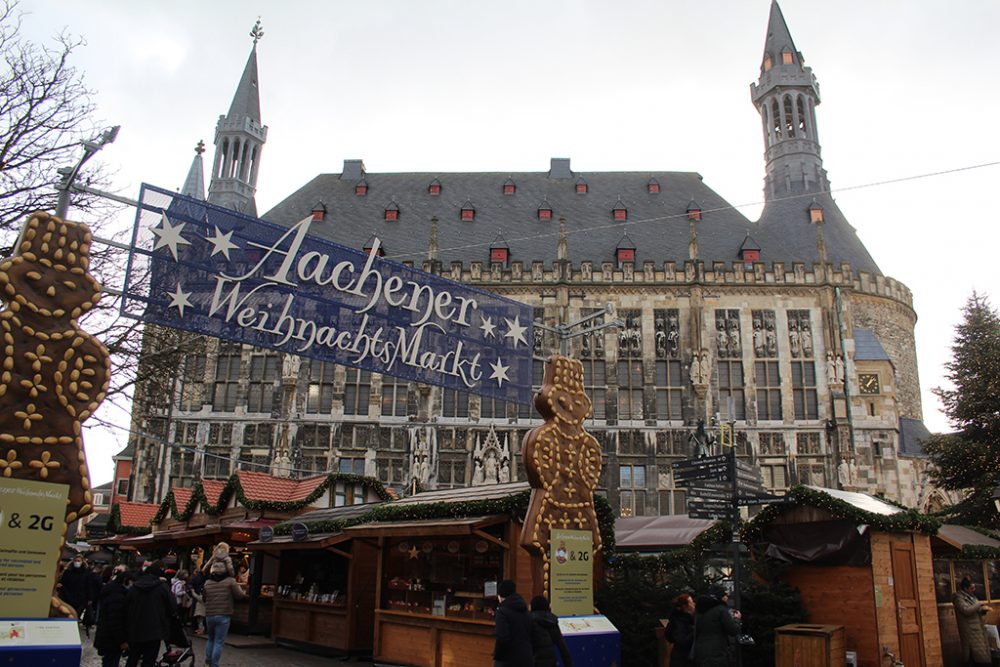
(69, 174)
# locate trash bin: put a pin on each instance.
(809, 645)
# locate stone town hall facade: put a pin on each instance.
(785, 326)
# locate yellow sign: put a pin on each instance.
(31, 526)
(572, 575)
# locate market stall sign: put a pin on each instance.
(572, 592)
(266, 534)
(31, 527)
(210, 270)
(300, 532)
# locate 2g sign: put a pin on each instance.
(35, 522)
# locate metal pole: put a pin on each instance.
(69, 174)
(737, 566)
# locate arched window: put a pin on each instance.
(789, 124)
(800, 107)
(776, 120)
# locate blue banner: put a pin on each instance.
(206, 269)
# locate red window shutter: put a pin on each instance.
(434, 190)
(498, 255)
(318, 216)
(621, 214)
(360, 190)
(751, 255)
(581, 188)
(544, 214)
(391, 215)
(468, 214)
(626, 255)
(654, 188)
(508, 189)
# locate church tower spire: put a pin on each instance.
(786, 95)
(239, 140)
(194, 184)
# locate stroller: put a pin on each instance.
(179, 651)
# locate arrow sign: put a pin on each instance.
(695, 476)
(709, 502)
(746, 467)
(750, 489)
(713, 485)
(703, 492)
(761, 499)
(708, 515)
(720, 459)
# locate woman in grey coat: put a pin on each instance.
(969, 613)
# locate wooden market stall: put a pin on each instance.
(960, 552)
(324, 589)
(861, 563)
(440, 555)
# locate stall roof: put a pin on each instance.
(862, 501)
(466, 494)
(334, 513)
(136, 515)
(959, 536)
(658, 532)
(448, 526)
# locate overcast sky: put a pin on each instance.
(908, 89)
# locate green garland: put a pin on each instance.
(976, 552)
(906, 520)
(233, 487)
(515, 506)
(115, 524)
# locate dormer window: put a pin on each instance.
(619, 213)
(508, 187)
(653, 186)
(468, 211)
(693, 210)
(815, 212)
(581, 186)
(370, 243)
(499, 250)
(544, 211)
(361, 188)
(749, 251)
(625, 251)
(750, 256)
(768, 63)
(434, 189)
(319, 212)
(786, 56)
(392, 212)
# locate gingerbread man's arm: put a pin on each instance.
(83, 375)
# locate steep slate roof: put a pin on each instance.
(657, 223)
(868, 348)
(912, 436)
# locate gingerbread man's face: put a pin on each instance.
(565, 393)
(49, 274)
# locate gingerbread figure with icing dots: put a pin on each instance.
(53, 374)
(563, 465)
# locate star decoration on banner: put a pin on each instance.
(488, 328)
(169, 236)
(515, 331)
(179, 300)
(222, 243)
(414, 552)
(499, 372)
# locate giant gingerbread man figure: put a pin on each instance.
(53, 374)
(563, 464)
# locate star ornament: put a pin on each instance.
(169, 236)
(515, 331)
(414, 552)
(499, 372)
(487, 327)
(179, 300)
(222, 243)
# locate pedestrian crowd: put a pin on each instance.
(703, 632)
(137, 612)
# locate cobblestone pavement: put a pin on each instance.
(233, 656)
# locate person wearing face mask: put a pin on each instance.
(74, 585)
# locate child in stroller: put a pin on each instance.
(179, 651)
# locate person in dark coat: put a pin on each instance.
(149, 605)
(111, 637)
(680, 631)
(715, 629)
(546, 636)
(74, 585)
(513, 640)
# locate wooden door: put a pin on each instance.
(904, 574)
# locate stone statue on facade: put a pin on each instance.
(831, 369)
(805, 339)
(706, 368)
(371, 468)
(840, 369)
(490, 468)
(695, 370)
(504, 471)
(699, 441)
(478, 476)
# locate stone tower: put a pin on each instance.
(786, 95)
(239, 140)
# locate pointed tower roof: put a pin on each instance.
(778, 37)
(194, 184)
(246, 101)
